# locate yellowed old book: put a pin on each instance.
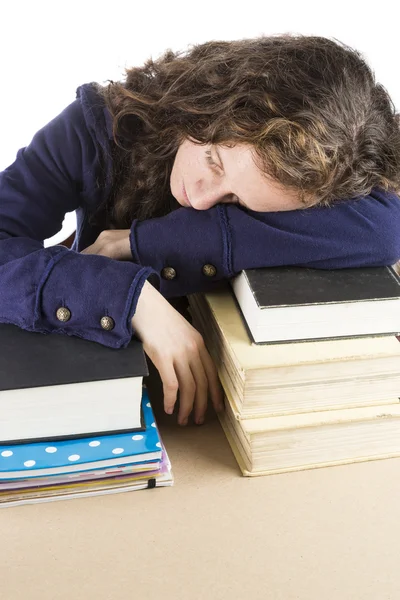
(313, 440)
(288, 378)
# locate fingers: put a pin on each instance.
(187, 392)
(192, 371)
(112, 243)
(170, 383)
(197, 378)
(174, 378)
(214, 385)
(193, 392)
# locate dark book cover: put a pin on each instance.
(297, 286)
(29, 359)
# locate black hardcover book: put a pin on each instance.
(296, 304)
(57, 386)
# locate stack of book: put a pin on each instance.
(310, 365)
(76, 419)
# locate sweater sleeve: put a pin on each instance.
(49, 178)
(202, 247)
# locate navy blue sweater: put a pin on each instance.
(59, 172)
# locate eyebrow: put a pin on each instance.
(240, 202)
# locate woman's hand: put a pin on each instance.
(113, 243)
(178, 352)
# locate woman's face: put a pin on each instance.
(203, 176)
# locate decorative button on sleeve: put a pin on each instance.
(63, 314)
(168, 273)
(107, 323)
(209, 270)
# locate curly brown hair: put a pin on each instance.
(310, 107)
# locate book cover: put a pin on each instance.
(30, 359)
(298, 286)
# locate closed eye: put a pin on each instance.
(210, 160)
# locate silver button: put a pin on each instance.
(107, 323)
(63, 314)
(209, 270)
(168, 273)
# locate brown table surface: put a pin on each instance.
(327, 534)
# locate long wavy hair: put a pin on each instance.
(309, 106)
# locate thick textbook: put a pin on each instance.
(313, 440)
(297, 303)
(58, 386)
(263, 380)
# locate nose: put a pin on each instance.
(203, 202)
(206, 199)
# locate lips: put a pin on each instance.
(185, 195)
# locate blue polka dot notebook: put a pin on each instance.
(83, 454)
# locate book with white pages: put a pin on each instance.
(56, 386)
(296, 303)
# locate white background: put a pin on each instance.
(48, 49)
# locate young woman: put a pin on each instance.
(259, 152)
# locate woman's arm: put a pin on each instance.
(353, 233)
(48, 179)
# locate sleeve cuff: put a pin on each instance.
(190, 250)
(89, 296)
